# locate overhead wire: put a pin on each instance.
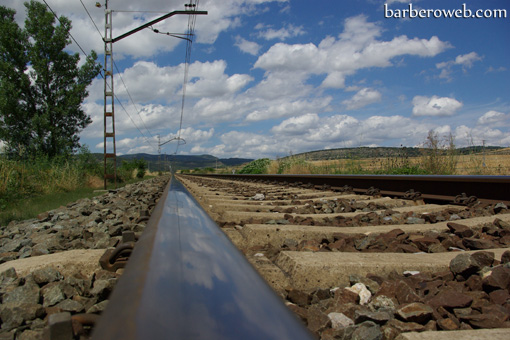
(189, 42)
(188, 36)
(131, 98)
(93, 22)
(75, 41)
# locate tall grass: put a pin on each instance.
(440, 155)
(28, 187)
(40, 176)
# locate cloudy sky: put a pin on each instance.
(269, 78)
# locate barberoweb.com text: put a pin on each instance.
(459, 13)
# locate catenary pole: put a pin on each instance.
(110, 151)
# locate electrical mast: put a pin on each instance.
(110, 151)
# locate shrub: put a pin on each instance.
(258, 166)
(440, 156)
(131, 169)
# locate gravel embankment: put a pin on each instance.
(49, 265)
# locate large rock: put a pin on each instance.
(450, 299)
(379, 317)
(484, 321)
(339, 320)
(460, 229)
(52, 294)
(15, 314)
(45, 275)
(362, 291)
(367, 331)
(406, 294)
(465, 265)
(477, 243)
(415, 312)
(28, 294)
(499, 278)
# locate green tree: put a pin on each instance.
(41, 86)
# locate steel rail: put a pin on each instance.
(438, 188)
(186, 280)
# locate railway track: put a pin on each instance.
(392, 248)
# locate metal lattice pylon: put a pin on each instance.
(110, 151)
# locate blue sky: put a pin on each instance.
(273, 78)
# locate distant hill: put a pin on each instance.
(179, 162)
(376, 152)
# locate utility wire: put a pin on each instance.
(131, 98)
(189, 42)
(136, 126)
(86, 10)
(76, 42)
(175, 35)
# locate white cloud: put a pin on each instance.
(494, 117)
(496, 70)
(147, 82)
(435, 106)
(281, 34)
(211, 80)
(247, 144)
(246, 46)
(297, 125)
(357, 47)
(466, 61)
(284, 108)
(192, 135)
(210, 97)
(363, 97)
(468, 136)
(134, 145)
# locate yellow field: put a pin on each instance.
(492, 164)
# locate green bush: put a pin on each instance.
(258, 166)
(440, 154)
(88, 163)
(131, 169)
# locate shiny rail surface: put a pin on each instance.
(185, 280)
(439, 188)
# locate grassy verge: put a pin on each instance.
(31, 186)
(27, 208)
(30, 207)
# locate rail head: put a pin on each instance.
(186, 280)
(436, 187)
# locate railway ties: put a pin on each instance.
(309, 244)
